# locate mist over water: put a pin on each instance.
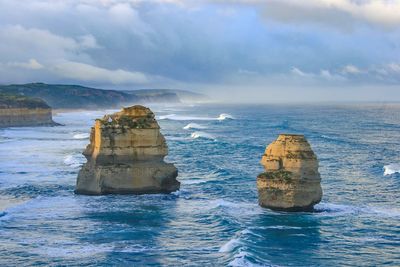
(214, 220)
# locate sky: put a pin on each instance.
(235, 51)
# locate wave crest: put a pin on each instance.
(225, 116)
(81, 136)
(391, 169)
(193, 125)
(204, 135)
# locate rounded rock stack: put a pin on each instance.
(126, 156)
(291, 180)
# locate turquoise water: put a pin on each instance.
(214, 220)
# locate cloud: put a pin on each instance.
(88, 41)
(85, 72)
(331, 12)
(351, 69)
(298, 72)
(167, 43)
(32, 64)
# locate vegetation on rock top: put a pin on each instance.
(281, 175)
(21, 101)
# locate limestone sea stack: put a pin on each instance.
(126, 156)
(20, 111)
(291, 180)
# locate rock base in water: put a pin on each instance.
(126, 156)
(291, 180)
(21, 111)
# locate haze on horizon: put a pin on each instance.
(236, 51)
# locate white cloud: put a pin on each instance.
(32, 64)
(394, 67)
(351, 69)
(298, 72)
(85, 72)
(322, 75)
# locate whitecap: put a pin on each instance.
(72, 161)
(194, 126)
(230, 245)
(240, 260)
(391, 169)
(193, 181)
(204, 135)
(225, 116)
(174, 117)
(81, 136)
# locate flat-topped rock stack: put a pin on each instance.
(291, 180)
(19, 111)
(126, 156)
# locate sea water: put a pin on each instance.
(214, 219)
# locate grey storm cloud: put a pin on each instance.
(171, 42)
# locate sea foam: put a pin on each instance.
(72, 161)
(240, 260)
(230, 245)
(391, 169)
(194, 126)
(81, 136)
(203, 135)
(225, 116)
(174, 117)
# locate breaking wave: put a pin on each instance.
(230, 245)
(204, 135)
(81, 136)
(391, 169)
(225, 116)
(174, 117)
(72, 161)
(241, 260)
(194, 126)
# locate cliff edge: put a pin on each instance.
(126, 156)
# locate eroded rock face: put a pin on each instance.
(291, 180)
(126, 156)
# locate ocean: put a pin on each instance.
(214, 219)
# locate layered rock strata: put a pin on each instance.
(291, 180)
(126, 156)
(17, 111)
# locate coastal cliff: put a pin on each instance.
(291, 180)
(126, 156)
(64, 96)
(16, 110)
